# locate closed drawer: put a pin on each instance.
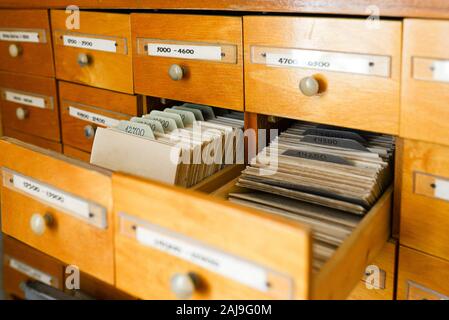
(425, 198)
(425, 83)
(192, 58)
(29, 104)
(34, 140)
(22, 263)
(58, 206)
(173, 243)
(421, 276)
(379, 279)
(83, 109)
(76, 153)
(335, 71)
(98, 53)
(25, 42)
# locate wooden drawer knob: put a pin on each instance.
(89, 131)
(309, 86)
(21, 113)
(183, 285)
(175, 72)
(14, 50)
(84, 59)
(39, 223)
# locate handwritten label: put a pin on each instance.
(203, 256)
(90, 43)
(19, 36)
(442, 189)
(441, 71)
(25, 99)
(31, 272)
(93, 117)
(155, 126)
(136, 129)
(316, 156)
(212, 53)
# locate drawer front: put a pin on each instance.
(22, 263)
(76, 153)
(191, 58)
(25, 42)
(29, 104)
(425, 83)
(378, 281)
(98, 53)
(425, 198)
(83, 109)
(62, 215)
(34, 140)
(421, 276)
(157, 253)
(329, 70)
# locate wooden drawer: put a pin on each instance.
(84, 108)
(165, 233)
(206, 51)
(425, 198)
(31, 51)
(378, 281)
(98, 54)
(29, 104)
(59, 206)
(22, 263)
(76, 153)
(425, 82)
(348, 70)
(421, 276)
(35, 140)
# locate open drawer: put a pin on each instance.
(176, 243)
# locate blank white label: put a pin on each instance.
(441, 71)
(90, 43)
(19, 36)
(25, 99)
(30, 271)
(212, 53)
(218, 262)
(442, 189)
(51, 195)
(93, 117)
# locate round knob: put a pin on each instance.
(39, 223)
(309, 86)
(21, 113)
(83, 59)
(175, 72)
(89, 131)
(14, 50)
(183, 285)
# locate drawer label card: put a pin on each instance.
(184, 51)
(441, 71)
(31, 272)
(136, 129)
(93, 117)
(24, 99)
(90, 43)
(19, 36)
(442, 189)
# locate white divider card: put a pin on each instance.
(441, 70)
(442, 189)
(24, 99)
(168, 124)
(93, 117)
(155, 125)
(136, 129)
(185, 51)
(31, 272)
(216, 261)
(90, 43)
(19, 36)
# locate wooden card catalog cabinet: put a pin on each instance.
(425, 81)
(174, 243)
(29, 104)
(328, 70)
(425, 198)
(25, 42)
(59, 206)
(98, 53)
(194, 58)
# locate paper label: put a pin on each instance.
(136, 129)
(442, 189)
(156, 126)
(93, 117)
(25, 99)
(185, 51)
(441, 71)
(51, 195)
(213, 260)
(90, 43)
(19, 36)
(30, 271)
